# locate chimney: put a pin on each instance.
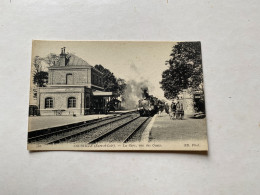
(63, 57)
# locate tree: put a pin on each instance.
(51, 59)
(37, 64)
(111, 83)
(184, 71)
(40, 78)
(121, 86)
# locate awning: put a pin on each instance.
(103, 93)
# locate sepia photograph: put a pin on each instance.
(130, 97)
(117, 95)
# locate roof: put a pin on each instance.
(102, 93)
(76, 61)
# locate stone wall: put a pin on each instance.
(60, 101)
(96, 78)
(79, 76)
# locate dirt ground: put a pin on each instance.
(165, 129)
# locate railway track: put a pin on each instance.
(123, 129)
(64, 133)
(122, 133)
(99, 134)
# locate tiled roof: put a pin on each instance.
(76, 61)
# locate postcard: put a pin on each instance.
(117, 96)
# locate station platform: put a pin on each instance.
(43, 122)
(166, 129)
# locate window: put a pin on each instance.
(72, 102)
(69, 79)
(48, 102)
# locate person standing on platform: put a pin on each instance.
(179, 110)
(173, 111)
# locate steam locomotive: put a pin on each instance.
(149, 105)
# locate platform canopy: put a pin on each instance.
(103, 93)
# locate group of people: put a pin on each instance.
(175, 110)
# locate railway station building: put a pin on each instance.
(74, 88)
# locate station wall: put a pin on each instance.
(60, 101)
(78, 77)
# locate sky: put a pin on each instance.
(139, 61)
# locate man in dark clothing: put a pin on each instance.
(179, 110)
(173, 110)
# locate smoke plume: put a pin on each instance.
(134, 91)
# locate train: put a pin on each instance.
(149, 105)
